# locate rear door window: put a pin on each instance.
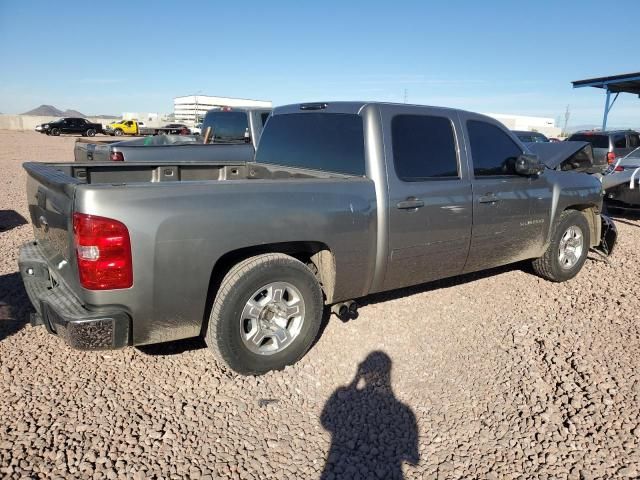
(424, 147)
(320, 141)
(634, 140)
(492, 150)
(620, 141)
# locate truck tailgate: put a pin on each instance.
(50, 196)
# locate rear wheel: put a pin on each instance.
(568, 249)
(266, 314)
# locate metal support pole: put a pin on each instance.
(606, 111)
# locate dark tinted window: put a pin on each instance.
(634, 140)
(538, 137)
(596, 141)
(228, 127)
(264, 117)
(320, 141)
(492, 150)
(423, 147)
(620, 141)
(525, 138)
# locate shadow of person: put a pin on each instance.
(372, 433)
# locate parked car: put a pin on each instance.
(232, 143)
(138, 128)
(235, 125)
(128, 127)
(72, 125)
(344, 199)
(530, 136)
(625, 194)
(609, 145)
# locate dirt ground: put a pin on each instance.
(496, 375)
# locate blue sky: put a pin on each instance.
(488, 56)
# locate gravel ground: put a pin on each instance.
(496, 375)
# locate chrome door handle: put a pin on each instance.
(410, 203)
(490, 198)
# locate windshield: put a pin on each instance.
(634, 154)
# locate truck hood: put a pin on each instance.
(574, 155)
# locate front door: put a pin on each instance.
(429, 196)
(504, 230)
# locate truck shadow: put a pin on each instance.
(175, 347)
(444, 283)
(372, 433)
(14, 305)
(10, 219)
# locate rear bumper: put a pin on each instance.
(63, 314)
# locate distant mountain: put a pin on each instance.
(51, 111)
(45, 111)
(73, 113)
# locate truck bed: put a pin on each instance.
(182, 219)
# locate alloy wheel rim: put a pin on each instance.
(272, 318)
(571, 247)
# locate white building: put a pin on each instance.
(190, 108)
(544, 125)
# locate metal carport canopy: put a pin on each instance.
(626, 83)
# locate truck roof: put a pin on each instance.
(355, 107)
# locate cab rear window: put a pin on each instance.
(331, 142)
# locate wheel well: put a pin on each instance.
(592, 214)
(315, 255)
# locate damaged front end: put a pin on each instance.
(608, 235)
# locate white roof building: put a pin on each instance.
(543, 125)
(190, 108)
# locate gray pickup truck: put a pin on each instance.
(235, 133)
(344, 200)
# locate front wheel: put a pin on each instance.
(117, 132)
(568, 249)
(55, 132)
(91, 132)
(266, 314)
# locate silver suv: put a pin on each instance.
(609, 145)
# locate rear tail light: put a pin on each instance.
(103, 250)
(611, 157)
(619, 169)
(116, 157)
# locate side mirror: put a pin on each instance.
(527, 164)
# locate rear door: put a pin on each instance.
(430, 198)
(504, 230)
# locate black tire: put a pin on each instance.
(55, 132)
(549, 266)
(223, 335)
(118, 132)
(91, 132)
